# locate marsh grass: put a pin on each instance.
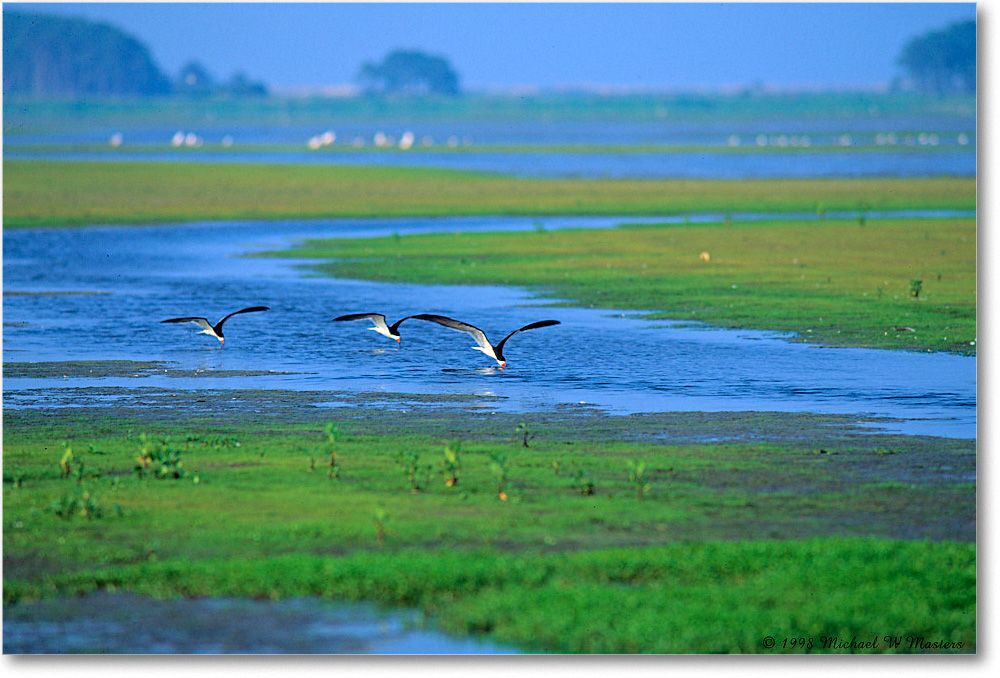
(828, 281)
(452, 463)
(47, 193)
(549, 569)
(637, 477)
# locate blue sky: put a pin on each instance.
(645, 45)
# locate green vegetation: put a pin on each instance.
(839, 282)
(46, 193)
(851, 541)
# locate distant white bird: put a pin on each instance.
(495, 352)
(391, 331)
(177, 139)
(216, 330)
(406, 141)
(116, 139)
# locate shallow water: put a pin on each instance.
(610, 360)
(122, 623)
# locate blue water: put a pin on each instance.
(614, 361)
(123, 623)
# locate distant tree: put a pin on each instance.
(194, 79)
(61, 57)
(943, 61)
(409, 73)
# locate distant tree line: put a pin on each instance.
(48, 56)
(943, 61)
(195, 80)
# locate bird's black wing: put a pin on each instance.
(202, 322)
(451, 323)
(218, 325)
(377, 319)
(360, 316)
(532, 326)
(395, 325)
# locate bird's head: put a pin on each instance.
(399, 340)
(222, 341)
(503, 364)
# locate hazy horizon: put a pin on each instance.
(613, 46)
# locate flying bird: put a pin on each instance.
(391, 331)
(215, 331)
(495, 352)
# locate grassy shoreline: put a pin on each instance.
(881, 283)
(50, 193)
(693, 566)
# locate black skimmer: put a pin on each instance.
(215, 331)
(495, 352)
(391, 331)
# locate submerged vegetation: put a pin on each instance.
(604, 571)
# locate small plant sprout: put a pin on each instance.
(332, 433)
(636, 473)
(77, 504)
(525, 433)
(498, 465)
(410, 463)
(452, 463)
(65, 464)
(331, 440)
(161, 458)
(862, 208)
(916, 286)
(145, 458)
(15, 476)
(584, 483)
(381, 518)
(556, 466)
